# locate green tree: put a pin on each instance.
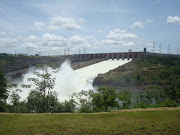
(141, 97)
(44, 83)
(83, 99)
(52, 101)
(69, 106)
(15, 105)
(173, 89)
(125, 97)
(35, 102)
(3, 91)
(14, 97)
(155, 92)
(106, 97)
(60, 108)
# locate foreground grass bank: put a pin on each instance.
(132, 121)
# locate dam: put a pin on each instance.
(68, 80)
(81, 74)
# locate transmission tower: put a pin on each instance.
(68, 51)
(154, 47)
(79, 51)
(168, 49)
(84, 50)
(28, 50)
(64, 51)
(160, 50)
(177, 49)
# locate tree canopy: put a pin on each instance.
(3, 91)
(106, 97)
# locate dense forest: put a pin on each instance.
(159, 78)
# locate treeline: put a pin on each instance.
(104, 99)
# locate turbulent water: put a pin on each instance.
(69, 81)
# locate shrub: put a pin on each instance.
(140, 105)
(170, 103)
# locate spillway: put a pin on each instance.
(69, 81)
(88, 74)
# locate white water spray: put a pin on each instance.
(69, 81)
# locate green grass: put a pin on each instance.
(120, 122)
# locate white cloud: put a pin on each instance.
(30, 42)
(128, 44)
(118, 34)
(39, 25)
(137, 25)
(149, 21)
(116, 37)
(47, 40)
(8, 42)
(2, 33)
(58, 22)
(173, 20)
(31, 39)
(80, 42)
(87, 36)
(112, 42)
(109, 41)
(140, 24)
(53, 40)
(55, 44)
(29, 45)
(78, 39)
(148, 44)
(62, 23)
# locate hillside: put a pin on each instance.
(10, 63)
(136, 75)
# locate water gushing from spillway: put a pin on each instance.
(69, 81)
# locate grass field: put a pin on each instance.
(132, 121)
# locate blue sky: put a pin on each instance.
(52, 26)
